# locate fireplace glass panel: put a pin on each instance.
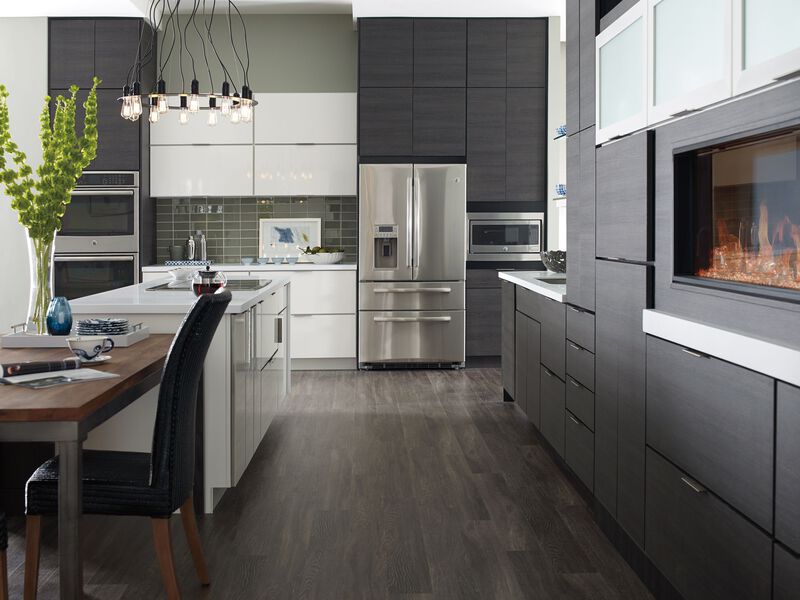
(745, 217)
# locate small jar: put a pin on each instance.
(208, 282)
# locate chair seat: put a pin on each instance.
(114, 483)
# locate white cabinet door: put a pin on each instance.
(168, 131)
(201, 171)
(305, 118)
(323, 292)
(323, 336)
(295, 170)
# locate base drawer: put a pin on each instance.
(580, 364)
(706, 549)
(427, 337)
(580, 401)
(579, 450)
(552, 410)
(580, 327)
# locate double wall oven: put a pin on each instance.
(97, 248)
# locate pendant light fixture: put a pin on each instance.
(165, 17)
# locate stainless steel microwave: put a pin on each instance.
(505, 236)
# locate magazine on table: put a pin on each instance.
(48, 379)
(38, 366)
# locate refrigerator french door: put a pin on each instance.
(412, 265)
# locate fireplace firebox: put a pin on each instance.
(737, 216)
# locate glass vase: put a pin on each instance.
(40, 255)
(59, 317)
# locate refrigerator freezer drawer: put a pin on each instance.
(409, 337)
(411, 295)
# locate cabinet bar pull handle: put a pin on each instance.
(694, 485)
(432, 290)
(572, 308)
(575, 383)
(278, 330)
(412, 319)
(693, 353)
(574, 420)
(547, 372)
(575, 346)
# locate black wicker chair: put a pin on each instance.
(152, 485)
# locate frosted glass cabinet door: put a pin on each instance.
(689, 52)
(621, 61)
(201, 171)
(766, 36)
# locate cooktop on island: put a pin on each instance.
(234, 285)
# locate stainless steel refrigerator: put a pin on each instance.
(412, 265)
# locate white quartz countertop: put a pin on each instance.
(233, 268)
(535, 281)
(763, 356)
(138, 299)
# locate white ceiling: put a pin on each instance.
(358, 8)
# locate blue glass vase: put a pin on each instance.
(59, 317)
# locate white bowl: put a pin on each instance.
(182, 273)
(326, 258)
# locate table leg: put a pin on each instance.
(70, 563)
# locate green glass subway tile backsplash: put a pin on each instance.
(231, 224)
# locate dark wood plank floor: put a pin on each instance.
(376, 485)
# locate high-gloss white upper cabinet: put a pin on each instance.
(689, 55)
(328, 118)
(201, 171)
(168, 131)
(305, 170)
(766, 41)
(621, 62)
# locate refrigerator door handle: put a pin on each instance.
(417, 192)
(409, 222)
(432, 290)
(412, 319)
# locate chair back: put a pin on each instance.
(172, 460)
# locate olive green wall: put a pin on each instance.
(288, 53)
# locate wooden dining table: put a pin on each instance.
(64, 415)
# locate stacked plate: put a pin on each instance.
(106, 326)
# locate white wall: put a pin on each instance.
(23, 70)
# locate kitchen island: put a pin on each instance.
(245, 379)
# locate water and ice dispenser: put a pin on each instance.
(385, 240)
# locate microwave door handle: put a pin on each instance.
(93, 258)
(409, 221)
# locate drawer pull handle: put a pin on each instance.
(693, 353)
(575, 346)
(575, 383)
(574, 420)
(694, 485)
(431, 290)
(412, 319)
(547, 372)
(572, 308)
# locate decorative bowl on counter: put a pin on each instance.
(326, 258)
(263, 260)
(247, 260)
(555, 260)
(182, 273)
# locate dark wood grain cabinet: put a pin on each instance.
(580, 401)
(588, 27)
(581, 219)
(573, 62)
(508, 300)
(439, 122)
(385, 121)
(485, 311)
(526, 144)
(116, 41)
(554, 326)
(624, 198)
(521, 360)
(579, 449)
(714, 420)
(580, 365)
(527, 383)
(486, 53)
(705, 549)
(71, 53)
(486, 144)
(786, 574)
(553, 407)
(386, 52)
(787, 466)
(526, 53)
(623, 291)
(440, 52)
(580, 327)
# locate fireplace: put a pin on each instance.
(737, 216)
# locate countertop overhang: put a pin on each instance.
(234, 268)
(137, 299)
(769, 358)
(535, 282)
